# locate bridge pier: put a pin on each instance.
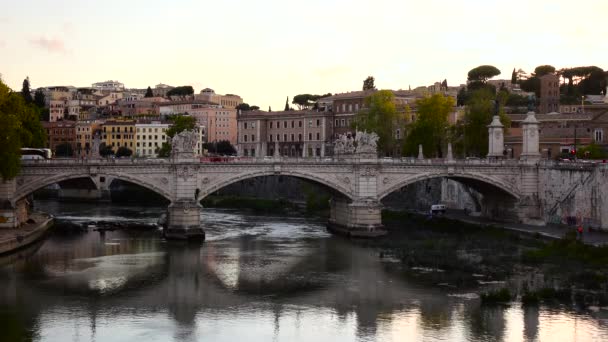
(184, 221)
(360, 218)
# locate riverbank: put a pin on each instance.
(14, 239)
(478, 258)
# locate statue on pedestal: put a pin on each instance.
(184, 142)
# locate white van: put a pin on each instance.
(438, 209)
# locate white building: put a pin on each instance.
(109, 86)
(149, 136)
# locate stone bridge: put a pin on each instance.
(528, 190)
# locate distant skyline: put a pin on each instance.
(267, 50)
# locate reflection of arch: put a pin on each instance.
(505, 187)
(28, 188)
(223, 182)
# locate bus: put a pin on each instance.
(35, 153)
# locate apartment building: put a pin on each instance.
(85, 133)
(149, 137)
(117, 133)
(60, 132)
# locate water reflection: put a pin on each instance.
(253, 280)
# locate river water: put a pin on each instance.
(256, 278)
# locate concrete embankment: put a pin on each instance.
(13, 239)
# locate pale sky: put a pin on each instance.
(265, 50)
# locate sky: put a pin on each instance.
(266, 50)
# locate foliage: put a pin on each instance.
(21, 127)
(368, 83)
(181, 91)
(478, 116)
(430, 127)
(543, 70)
(64, 150)
(243, 107)
(514, 77)
(223, 147)
(254, 108)
(105, 151)
(124, 151)
(180, 123)
(26, 92)
(591, 151)
(286, 104)
(39, 98)
(149, 92)
(164, 151)
(482, 73)
(380, 116)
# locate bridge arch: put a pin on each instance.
(225, 181)
(27, 188)
(509, 189)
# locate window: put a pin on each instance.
(343, 122)
(318, 136)
(309, 123)
(252, 125)
(253, 152)
(599, 135)
(292, 124)
(318, 122)
(337, 123)
(299, 137)
(300, 124)
(309, 136)
(244, 125)
(318, 152)
(253, 137)
(292, 137)
(246, 152)
(270, 124)
(270, 137)
(284, 124)
(284, 137)
(278, 137)
(245, 138)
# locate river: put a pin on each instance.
(255, 278)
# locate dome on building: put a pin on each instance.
(207, 91)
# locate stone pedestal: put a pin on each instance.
(361, 218)
(184, 221)
(420, 154)
(530, 148)
(495, 138)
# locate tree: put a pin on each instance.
(287, 104)
(149, 92)
(181, 91)
(368, 83)
(243, 107)
(543, 70)
(179, 124)
(431, 126)
(255, 108)
(380, 116)
(26, 92)
(482, 73)
(21, 127)
(478, 115)
(64, 150)
(124, 151)
(444, 84)
(105, 151)
(39, 98)
(514, 77)
(304, 101)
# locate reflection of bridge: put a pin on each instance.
(528, 190)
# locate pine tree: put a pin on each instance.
(514, 76)
(25, 91)
(287, 104)
(269, 109)
(368, 83)
(39, 98)
(149, 92)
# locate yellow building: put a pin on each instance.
(85, 131)
(117, 133)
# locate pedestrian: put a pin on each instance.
(580, 232)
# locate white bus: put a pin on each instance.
(35, 153)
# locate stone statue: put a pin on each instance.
(344, 145)
(95, 146)
(366, 142)
(184, 142)
(531, 103)
(496, 107)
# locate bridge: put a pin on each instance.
(528, 190)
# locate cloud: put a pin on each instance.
(49, 44)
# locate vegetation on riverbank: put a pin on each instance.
(468, 256)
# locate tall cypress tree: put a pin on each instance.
(514, 76)
(287, 104)
(149, 92)
(25, 91)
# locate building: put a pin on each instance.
(119, 133)
(150, 136)
(60, 133)
(85, 134)
(160, 90)
(145, 107)
(108, 98)
(57, 100)
(220, 122)
(109, 86)
(226, 101)
(549, 93)
(288, 133)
